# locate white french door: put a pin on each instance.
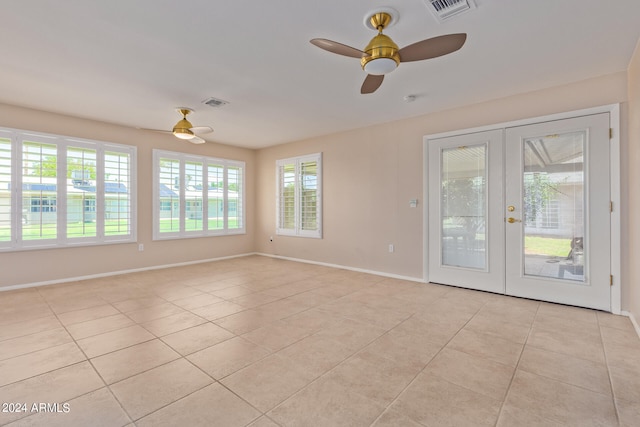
(524, 211)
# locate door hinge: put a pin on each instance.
(611, 206)
(611, 280)
(610, 133)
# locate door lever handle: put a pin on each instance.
(511, 220)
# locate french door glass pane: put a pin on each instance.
(553, 205)
(463, 201)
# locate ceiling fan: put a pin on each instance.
(185, 130)
(382, 55)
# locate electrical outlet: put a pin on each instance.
(141, 247)
(391, 248)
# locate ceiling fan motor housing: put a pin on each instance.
(382, 52)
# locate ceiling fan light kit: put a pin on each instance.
(381, 56)
(185, 130)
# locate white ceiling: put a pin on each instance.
(131, 62)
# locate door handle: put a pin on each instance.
(511, 220)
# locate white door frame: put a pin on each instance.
(616, 255)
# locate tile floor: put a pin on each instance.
(263, 342)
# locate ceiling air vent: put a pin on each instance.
(214, 102)
(445, 9)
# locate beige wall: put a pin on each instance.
(633, 191)
(54, 264)
(371, 174)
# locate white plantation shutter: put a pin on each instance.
(299, 201)
(58, 191)
(197, 196)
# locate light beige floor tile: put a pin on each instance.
(18, 315)
(246, 321)
(34, 342)
(488, 346)
(404, 350)
(315, 354)
(174, 323)
(568, 312)
(614, 321)
(178, 292)
(584, 346)
(373, 376)
(39, 362)
(626, 382)
(227, 357)
(448, 404)
(254, 300)
(232, 292)
(197, 338)
(218, 310)
(481, 375)
(134, 304)
(60, 385)
(435, 332)
(122, 364)
(196, 301)
(309, 299)
(277, 335)
(314, 319)
(628, 413)
(561, 367)
(569, 326)
(352, 334)
(98, 408)
(212, 406)
(115, 340)
(99, 326)
(494, 324)
(263, 422)
(391, 418)
(151, 390)
(86, 314)
(326, 403)
(154, 312)
(560, 402)
(281, 308)
(511, 416)
(66, 304)
(28, 327)
(267, 382)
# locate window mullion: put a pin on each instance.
(205, 196)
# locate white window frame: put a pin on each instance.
(63, 143)
(183, 158)
(298, 161)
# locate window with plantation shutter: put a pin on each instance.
(58, 191)
(197, 196)
(299, 196)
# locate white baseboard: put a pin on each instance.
(634, 322)
(344, 267)
(119, 272)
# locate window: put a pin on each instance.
(57, 191)
(197, 196)
(299, 196)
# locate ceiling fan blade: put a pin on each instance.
(339, 48)
(201, 129)
(156, 130)
(432, 48)
(371, 83)
(196, 140)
